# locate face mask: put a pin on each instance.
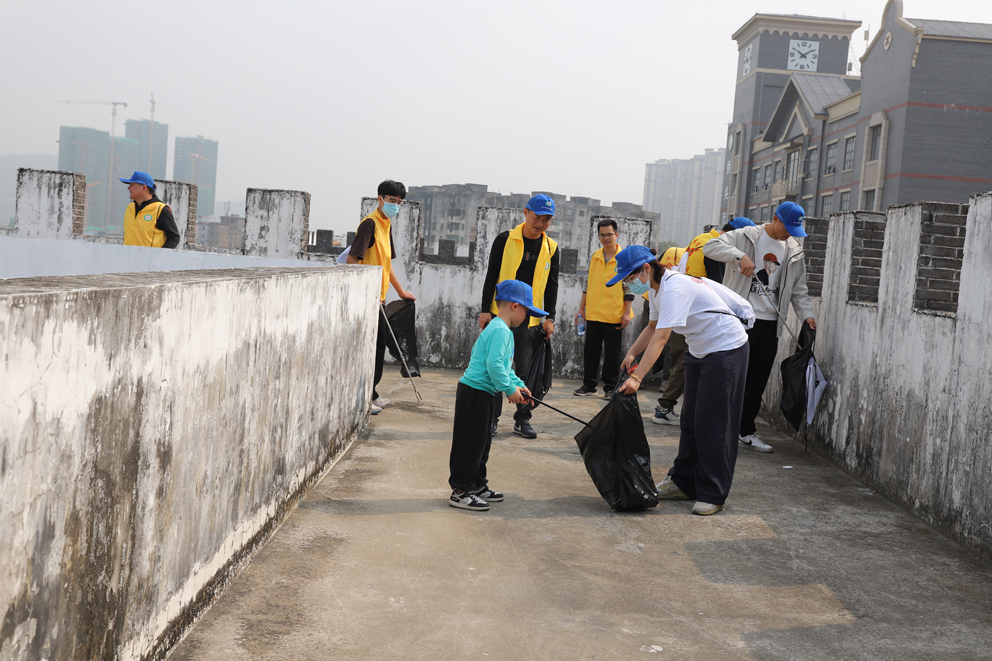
(390, 210)
(638, 287)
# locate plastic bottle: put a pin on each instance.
(580, 324)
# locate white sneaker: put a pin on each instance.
(381, 402)
(705, 509)
(752, 442)
(376, 410)
(668, 491)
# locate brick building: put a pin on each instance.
(914, 126)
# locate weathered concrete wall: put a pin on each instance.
(277, 222)
(50, 204)
(908, 407)
(29, 258)
(156, 428)
(181, 198)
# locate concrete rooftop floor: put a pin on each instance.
(803, 563)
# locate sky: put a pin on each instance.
(332, 97)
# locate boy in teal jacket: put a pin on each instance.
(488, 374)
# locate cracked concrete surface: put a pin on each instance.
(804, 562)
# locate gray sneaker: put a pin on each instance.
(668, 491)
(467, 501)
(752, 442)
(705, 509)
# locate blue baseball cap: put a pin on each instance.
(791, 215)
(542, 205)
(141, 178)
(629, 260)
(741, 221)
(515, 291)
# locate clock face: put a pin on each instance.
(803, 55)
(747, 60)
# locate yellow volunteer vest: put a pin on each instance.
(380, 254)
(140, 229)
(694, 265)
(513, 255)
(604, 304)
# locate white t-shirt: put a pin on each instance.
(696, 308)
(767, 268)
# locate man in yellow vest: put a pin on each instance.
(373, 244)
(605, 311)
(148, 221)
(692, 263)
(528, 254)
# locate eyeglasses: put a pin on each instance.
(606, 236)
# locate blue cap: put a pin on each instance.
(542, 205)
(741, 221)
(141, 178)
(791, 215)
(515, 291)
(629, 260)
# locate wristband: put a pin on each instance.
(634, 376)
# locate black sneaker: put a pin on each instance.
(467, 501)
(524, 429)
(608, 392)
(586, 391)
(488, 494)
(493, 429)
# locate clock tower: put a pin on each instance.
(770, 48)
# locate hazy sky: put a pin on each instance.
(332, 97)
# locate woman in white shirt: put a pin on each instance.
(714, 321)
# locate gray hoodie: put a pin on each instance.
(730, 247)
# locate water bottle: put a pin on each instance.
(580, 324)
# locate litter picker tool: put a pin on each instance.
(568, 415)
(382, 309)
(777, 311)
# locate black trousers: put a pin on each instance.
(704, 467)
(600, 335)
(763, 341)
(380, 352)
(525, 341)
(471, 438)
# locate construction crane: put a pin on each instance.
(113, 133)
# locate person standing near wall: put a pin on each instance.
(713, 321)
(528, 254)
(781, 270)
(373, 245)
(694, 264)
(148, 221)
(607, 311)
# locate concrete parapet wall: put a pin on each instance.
(277, 223)
(156, 427)
(908, 407)
(181, 198)
(50, 204)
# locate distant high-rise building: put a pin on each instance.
(88, 152)
(154, 145)
(196, 163)
(685, 193)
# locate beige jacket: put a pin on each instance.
(730, 247)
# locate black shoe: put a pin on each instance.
(493, 429)
(524, 429)
(608, 392)
(488, 495)
(467, 501)
(586, 391)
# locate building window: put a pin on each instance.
(765, 217)
(826, 204)
(768, 175)
(870, 200)
(778, 171)
(812, 163)
(831, 164)
(849, 153)
(737, 143)
(792, 166)
(875, 140)
(755, 176)
(733, 185)
(845, 200)
(808, 204)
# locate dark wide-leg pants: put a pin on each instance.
(711, 417)
(471, 438)
(525, 341)
(763, 340)
(380, 353)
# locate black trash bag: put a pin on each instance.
(402, 316)
(538, 379)
(617, 457)
(794, 395)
